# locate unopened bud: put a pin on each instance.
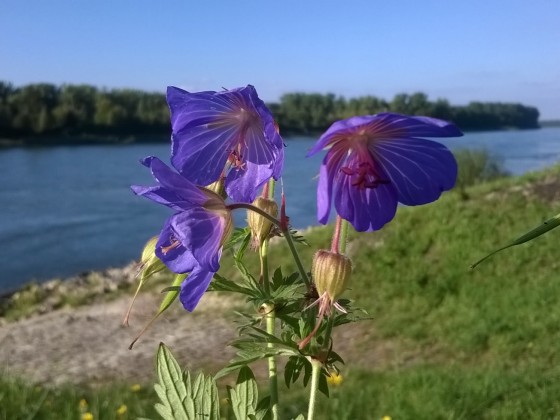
(218, 188)
(260, 226)
(216, 204)
(331, 273)
(151, 264)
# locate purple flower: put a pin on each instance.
(375, 161)
(191, 240)
(230, 133)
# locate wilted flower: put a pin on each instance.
(191, 240)
(230, 133)
(376, 161)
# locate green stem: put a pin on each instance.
(263, 255)
(286, 233)
(343, 236)
(272, 372)
(270, 329)
(315, 375)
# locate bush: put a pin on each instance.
(476, 166)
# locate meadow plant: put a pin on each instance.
(228, 156)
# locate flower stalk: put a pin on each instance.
(316, 366)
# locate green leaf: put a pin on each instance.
(244, 243)
(239, 236)
(263, 408)
(171, 389)
(300, 417)
(532, 234)
(172, 293)
(323, 385)
(180, 400)
(244, 396)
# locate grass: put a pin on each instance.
(489, 337)
(21, 400)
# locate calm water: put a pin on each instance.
(65, 210)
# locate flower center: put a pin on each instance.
(364, 175)
(174, 244)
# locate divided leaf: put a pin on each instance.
(180, 400)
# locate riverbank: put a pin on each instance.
(442, 338)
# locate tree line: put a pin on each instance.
(43, 113)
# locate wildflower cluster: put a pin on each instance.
(227, 154)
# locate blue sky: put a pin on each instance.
(485, 50)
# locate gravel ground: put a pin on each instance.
(89, 344)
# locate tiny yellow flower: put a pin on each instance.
(135, 388)
(386, 418)
(87, 416)
(83, 405)
(334, 379)
(121, 410)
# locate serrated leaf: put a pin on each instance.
(244, 243)
(239, 235)
(244, 396)
(262, 408)
(221, 284)
(179, 399)
(532, 234)
(171, 389)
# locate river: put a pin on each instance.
(65, 210)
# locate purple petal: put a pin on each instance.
(200, 153)
(200, 231)
(176, 257)
(389, 125)
(419, 169)
(329, 172)
(173, 191)
(194, 286)
(365, 208)
(242, 185)
(386, 125)
(209, 126)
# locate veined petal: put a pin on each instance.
(194, 286)
(200, 153)
(419, 169)
(199, 108)
(328, 178)
(211, 129)
(200, 231)
(365, 208)
(172, 253)
(173, 190)
(389, 125)
(243, 184)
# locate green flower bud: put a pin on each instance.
(150, 263)
(218, 188)
(259, 225)
(331, 273)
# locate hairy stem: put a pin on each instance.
(315, 375)
(272, 371)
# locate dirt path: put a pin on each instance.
(89, 344)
